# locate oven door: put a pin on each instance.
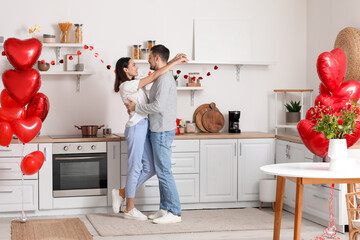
(79, 174)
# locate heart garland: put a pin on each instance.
(334, 93)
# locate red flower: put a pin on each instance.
(216, 67)
(185, 76)
(208, 74)
(178, 71)
(42, 61)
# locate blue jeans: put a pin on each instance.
(140, 156)
(161, 145)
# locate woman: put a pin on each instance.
(140, 158)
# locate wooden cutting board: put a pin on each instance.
(198, 114)
(212, 119)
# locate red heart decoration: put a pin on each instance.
(11, 114)
(22, 54)
(38, 106)
(6, 100)
(21, 85)
(32, 163)
(323, 99)
(324, 90)
(6, 134)
(331, 68)
(349, 89)
(27, 129)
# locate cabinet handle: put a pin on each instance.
(5, 168)
(173, 145)
(151, 185)
(113, 151)
(323, 198)
(6, 191)
(173, 163)
(45, 153)
(5, 150)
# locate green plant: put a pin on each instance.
(293, 106)
(335, 124)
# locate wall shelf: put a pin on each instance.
(192, 94)
(77, 73)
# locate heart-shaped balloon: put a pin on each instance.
(6, 100)
(27, 129)
(331, 68)
(38, 106)
(11, 114)
(323, 99)
(21, 85)
(323, 89)
(32, 163)
(6, 134)
(22, 54)
(349, 89)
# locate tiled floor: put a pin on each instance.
(309, 230)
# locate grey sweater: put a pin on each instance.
(162, 104)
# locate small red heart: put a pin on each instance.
(96, 55)
(52, 63)
(208, 74)
(27, 129)
(22, 54)
(42, 61)
(91, 48)
(101, 60)
(86, 46)
(185, 76)
(216, 67)
(61, 61)
(78, 53)
(71, 58)
(3, 53)
(178, 71)
(108, 67)
(21, 85)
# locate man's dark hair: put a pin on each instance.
(161, 51)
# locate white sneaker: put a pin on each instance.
(135, 214)
(117, 200)
(168, 218)
(160, 213)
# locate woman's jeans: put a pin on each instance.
(161, 145)
(140, 157)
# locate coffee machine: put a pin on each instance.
(234, 122)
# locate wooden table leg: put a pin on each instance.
(298, 208)
(350, 189)
(280, 187)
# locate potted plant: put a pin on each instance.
(293, 114)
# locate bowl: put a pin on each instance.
(43, 67)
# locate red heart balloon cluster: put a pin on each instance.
(334, 93)
(23, 109)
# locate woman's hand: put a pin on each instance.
(179, 58)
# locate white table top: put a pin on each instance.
(308, 170)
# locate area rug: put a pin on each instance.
(35, 229)
(192, 221)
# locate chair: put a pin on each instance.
(353, 210)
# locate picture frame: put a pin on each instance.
(70, 62)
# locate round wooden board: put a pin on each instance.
(213, 120)
(197, 116)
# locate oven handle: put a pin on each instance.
(75, 158)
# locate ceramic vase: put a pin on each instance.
(338, 156)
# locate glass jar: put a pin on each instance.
(145, 53)
(78, 33)
(136, 51)
(151, 43)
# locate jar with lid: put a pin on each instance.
(136, 51)
(151, 43)
(78, 33)
(190, 127)
(145, 53)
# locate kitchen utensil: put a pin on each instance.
(212, 120)
(199, 112)
(43, 67)
(106, 131)
(89, 130)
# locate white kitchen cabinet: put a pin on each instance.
(218, 170)
(46, 178)
(253, 154)
(113, 168)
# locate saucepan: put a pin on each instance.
(89, 130)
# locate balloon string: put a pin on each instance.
(23, 215)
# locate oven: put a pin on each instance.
(79, 169)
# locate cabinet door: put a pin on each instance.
(46, 178)
(113, 168)
(218, 170)
(253, 154)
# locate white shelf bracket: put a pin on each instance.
(58, 55)
(78, 83)
(192, 94)
(238, 67)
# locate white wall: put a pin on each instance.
(325, 20)
(278, 31)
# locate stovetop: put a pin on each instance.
(73, 136)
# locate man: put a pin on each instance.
(162, 116)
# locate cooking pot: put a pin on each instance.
(89, 130)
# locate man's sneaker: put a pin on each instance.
(168, 218)
(135, 214)
(160, 213)
(117, 200)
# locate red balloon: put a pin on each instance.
(6, 134)
(32, 163)
(11, 114)
(38, 106)
(349, 89)
(309, 114)
(27, 129)
(331, 68)
(323, 99)
(22, 54)
(6, 100)
(21, 85)
(323, 89)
